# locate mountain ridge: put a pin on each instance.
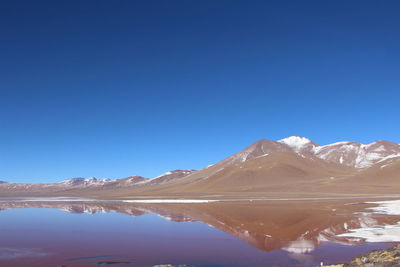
(290, 164)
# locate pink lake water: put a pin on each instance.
(45, 233)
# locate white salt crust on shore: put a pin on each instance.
(170, 201)
(380, 233)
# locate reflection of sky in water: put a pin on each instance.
(54, 236)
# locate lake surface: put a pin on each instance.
(263, 233)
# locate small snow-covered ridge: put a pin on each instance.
(166, 177)
(163, 174)
(175, 172)
(92, 181)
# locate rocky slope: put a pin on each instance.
(377, 258)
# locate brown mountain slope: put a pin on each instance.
(267, 167)
(383, 178)
(279, 171)
(254, 152)
(291, 166)
(252, 171)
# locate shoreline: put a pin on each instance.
(206, 199)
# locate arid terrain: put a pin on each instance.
(291, 167)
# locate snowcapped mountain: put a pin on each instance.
(358, 155)
(298, 144)
(292, 164)
(348, 153)
(351, 154)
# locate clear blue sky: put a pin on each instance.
(117, 88)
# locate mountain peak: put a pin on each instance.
(295, 142)
(295, 138)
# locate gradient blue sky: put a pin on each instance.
(117, 88)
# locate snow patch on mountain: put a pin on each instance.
(166, 177)
(347, 153)
(92, 181)
(355, 154)
(389, 157)
(243, 155)
(297, 143)
(175, 173)
(164, 174)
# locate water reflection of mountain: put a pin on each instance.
(295, 226)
